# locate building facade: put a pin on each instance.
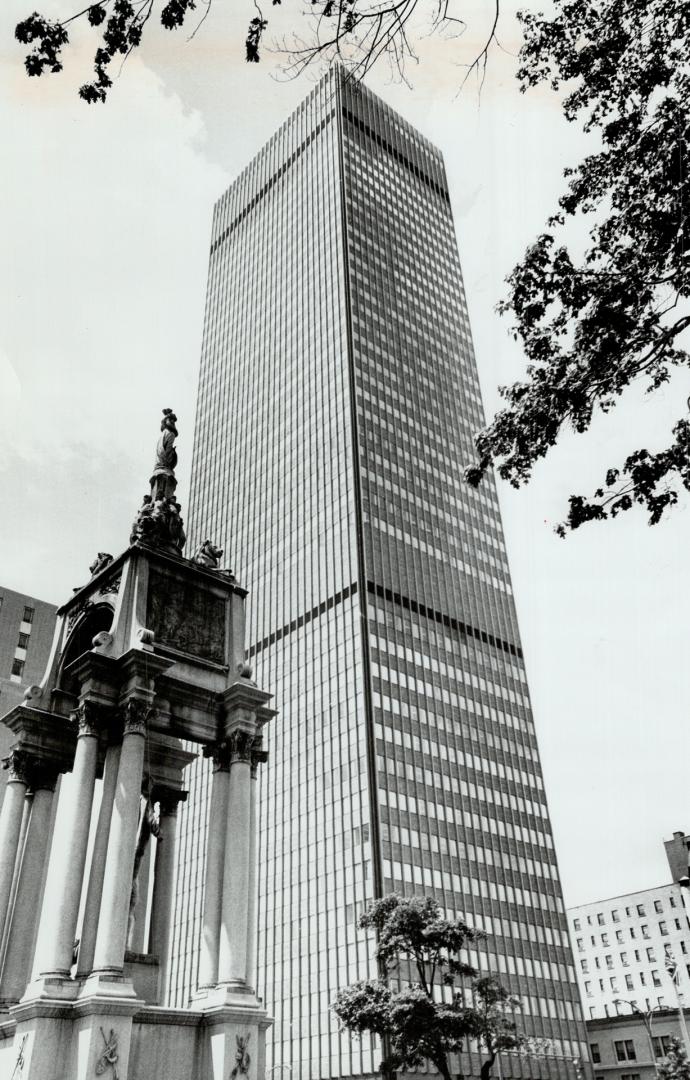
(27, 626)
(634, 950)
(632, 1046)
(338, 396)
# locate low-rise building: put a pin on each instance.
(27, 626)
(631, 1046)
(633, 951)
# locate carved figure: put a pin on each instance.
(207, 554)
(242, 1058)
(110, 1057)
(166, 454)
(102, 560)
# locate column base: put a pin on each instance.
(236, 1023)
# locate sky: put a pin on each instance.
(105, 216)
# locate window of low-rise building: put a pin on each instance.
(640, 909)
(600, 918)
(629, 982)
(615, 916)
(645, 930)
(655, 978)
(662, 1045)
(594, 1051)
(658, 907)
(625, 1050)
(576, 924)
(663, 928)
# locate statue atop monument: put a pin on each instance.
(163, 480)
(159, 521)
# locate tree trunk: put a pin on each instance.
(443, 1068)
(487, 1066)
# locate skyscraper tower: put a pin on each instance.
(338, 397)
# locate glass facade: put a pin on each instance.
(338, 396)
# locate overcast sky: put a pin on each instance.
(105, 220)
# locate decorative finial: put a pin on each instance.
(159, 520)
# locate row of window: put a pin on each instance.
(625, 1049)
(650, 954)
(630, 912)
(644, 931)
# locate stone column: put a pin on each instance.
(136, 936)
(111, 937)
(215, 855)
(10, 827)
(258, 756)
(163, 887)
(232, 952)
(20, 940)
(92, 905)
(58, 927)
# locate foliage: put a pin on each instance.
(591, 325)
(414, 940)
(358, 32)
(675, 1066)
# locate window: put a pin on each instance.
(624, 959)
(588, 989)
(628, 912)
(614, 984)
(683, 947)
(643, 978)
(650, 955)
(596, 1056)
(629, 982)
(619, 937)
(580, 945)
(655, 978)
(17, 668)
(605, 940)
(677, 923)
(658, 907)
(600, 918)
(23, 642)
(632, 931)
(630, 1076)
(576, 924)
(625, 1050)
(640, 909)
(645, 930)
(28, 615)
(672, 901)
(662, 1045)
(663, 929)
(584, 965)
(615, 916)
(609, 962)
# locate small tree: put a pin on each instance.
(424, 948)
(676, 1066)
(495, 1031)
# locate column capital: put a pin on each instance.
(135, 716)
(240, 744)
(259, 757)
(18, 765)
(168, 799)
(87, 719)
(42, 775)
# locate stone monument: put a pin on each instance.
(148, 658)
